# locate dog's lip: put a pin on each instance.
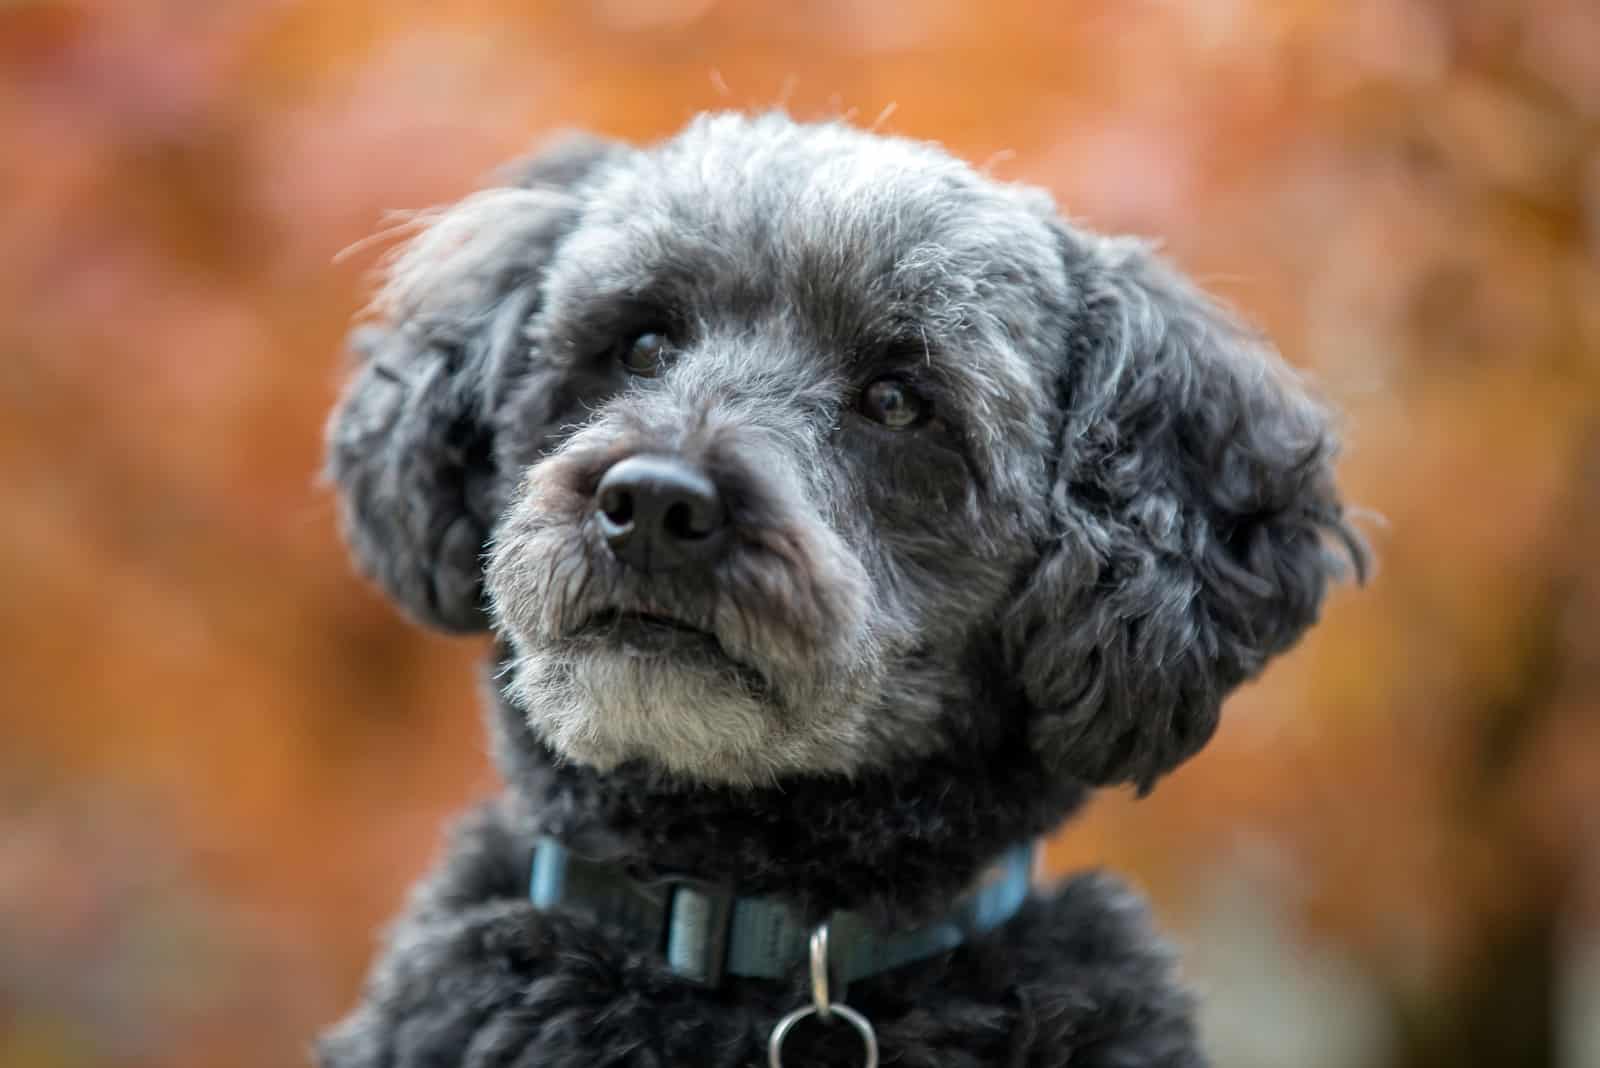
(649, 632)
(613, 619)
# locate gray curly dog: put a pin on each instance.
(843, 517)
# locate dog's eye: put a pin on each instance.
(894, 404)
(646, 355)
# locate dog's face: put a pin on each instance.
(782, 449)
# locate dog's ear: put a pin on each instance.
(1195, 522)
(410, 446)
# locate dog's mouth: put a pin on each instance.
(640, 633)
(647, 633)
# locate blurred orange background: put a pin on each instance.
(225, 757)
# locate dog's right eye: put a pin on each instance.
(894, 404)
(646, 354)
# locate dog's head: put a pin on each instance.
(781, 449)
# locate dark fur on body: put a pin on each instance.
(921, 647)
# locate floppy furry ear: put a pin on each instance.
(1196, 523)
(410, 445)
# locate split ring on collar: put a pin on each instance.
(841, 1011)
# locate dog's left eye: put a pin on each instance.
(894, 404)
(646, 355)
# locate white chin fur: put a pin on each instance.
(601, 707)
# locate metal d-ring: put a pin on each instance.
(822, 1007)
(819, 972)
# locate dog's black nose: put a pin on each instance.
(658, 513)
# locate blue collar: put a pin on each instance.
(706, 931)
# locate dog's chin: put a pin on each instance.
(643, 689)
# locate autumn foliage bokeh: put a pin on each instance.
(224, 757)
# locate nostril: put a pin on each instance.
(617, 505)
(688, 521)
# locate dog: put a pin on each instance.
(843, 518)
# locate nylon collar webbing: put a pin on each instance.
(706, 931)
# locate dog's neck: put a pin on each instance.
(897, 845)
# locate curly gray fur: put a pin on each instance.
(1123, 509)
